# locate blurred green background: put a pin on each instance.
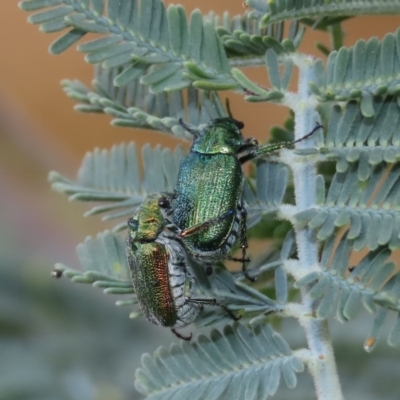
(61, 341)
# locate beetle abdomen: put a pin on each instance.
(149, 270)
(162, 281)
(208, 186)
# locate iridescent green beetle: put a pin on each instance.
(210, 184)
(161, 269)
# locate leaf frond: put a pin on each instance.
(138, 34)
(279, 79)
(361, 72)
(264, 194)
(242, 37)
(134, 106)
(353, 137)
(246, 362)
(104, 264)
(113, 176)
(341, 289)
(367, 199)
(276, 11)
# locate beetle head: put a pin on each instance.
(148, 220)
(220, 136)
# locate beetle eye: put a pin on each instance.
(163, 202)
(133, 224)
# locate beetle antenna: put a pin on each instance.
(317, 126)
(187, 127)
(269, 148)
(228, 107)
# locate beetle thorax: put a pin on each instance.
(220, 137)
(147, 221)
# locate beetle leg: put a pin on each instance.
(243, 241)
(212, 302)
(237, 259)
(206, 224)
(177, 334)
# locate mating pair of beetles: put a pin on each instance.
(201, 220)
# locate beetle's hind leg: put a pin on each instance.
(180, 336)
(201, 302)
(243, 243)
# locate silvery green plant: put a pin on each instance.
(155, 65)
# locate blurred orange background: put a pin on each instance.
(40, 131)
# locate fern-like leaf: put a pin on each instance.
(242, 37)
(269, 190)
(138, 34)
(372, 215)
(276, 11)
(352, 137)
(240, 362)
(341, 289)
(279, 79)
(360, 72)
(113, 176)
(104, 266)
(134, 106)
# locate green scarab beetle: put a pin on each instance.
(161, 270)
(210, 183)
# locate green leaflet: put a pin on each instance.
(143, 31)
(350, 200)
(134, 106)
(363, 71)
(275, 11)
(219, 365)
(271, 181)
(243, 37)
(350, 133)
(342, 293)
(113, 177)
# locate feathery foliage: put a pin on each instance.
(368, 69)
(138, 34)
(134, 106)
(243, 37)
(341, 290)
(114, 177)
(276, 11)
(242, 362)
(156, 66)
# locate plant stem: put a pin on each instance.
(323, 367)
